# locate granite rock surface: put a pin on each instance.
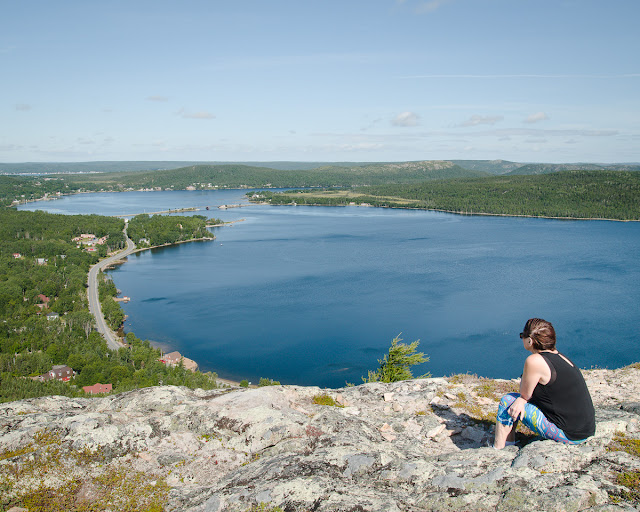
(418, 445)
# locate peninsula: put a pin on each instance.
(604, 195)
(152, 231)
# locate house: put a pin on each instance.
(41, 261)
(174, 359)
(89, 239)
(91, 249)
(58, 372)
(53, 316)
(17, 255)
(97, 388)
(44, 301)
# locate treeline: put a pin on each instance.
(38, 256)
(46, 235)
(111, 310)
(154, 230)
(29, 188)
(43, 272)
(568, 194)
(238, 176)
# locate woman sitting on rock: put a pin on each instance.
(554, 401)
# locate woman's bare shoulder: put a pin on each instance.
(535, 359)
(536, 363)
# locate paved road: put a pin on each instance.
(113, 342)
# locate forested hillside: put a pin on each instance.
(570, 194)
(44, 316)
(29, 188)
(551, 168)
(499, 167)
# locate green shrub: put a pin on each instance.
(395, 365)
(267, 382)
(325, 399)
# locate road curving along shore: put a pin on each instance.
(113, 341)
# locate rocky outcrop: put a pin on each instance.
(415, 445)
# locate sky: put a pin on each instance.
(320, 80)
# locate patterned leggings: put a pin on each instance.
(533, 419)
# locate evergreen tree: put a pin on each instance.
(395, 365)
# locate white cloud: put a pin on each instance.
(475, 120)
(406, 119)
(157, 98)
(23, 107)
(372, 124)
(202, 114)
(430, 6)
(538, 116)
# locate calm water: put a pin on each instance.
(312, 295)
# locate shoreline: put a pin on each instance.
(454, 212)
(123, 260)
(169, 244)
(322, 204)
(392, 207)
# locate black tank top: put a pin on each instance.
(565, 399)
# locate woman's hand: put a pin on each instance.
(516, 411)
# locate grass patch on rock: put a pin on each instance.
(115, 489)
(622, 443)
(264, 507)
(630, 480)
(47, 475)
(325, 399)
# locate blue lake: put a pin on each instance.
(314, 295)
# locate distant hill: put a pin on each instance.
(86, 167)
(500, 167)
(238, 176)
(550, 168)
(133, 166)
(485, 166)
(488, 166)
